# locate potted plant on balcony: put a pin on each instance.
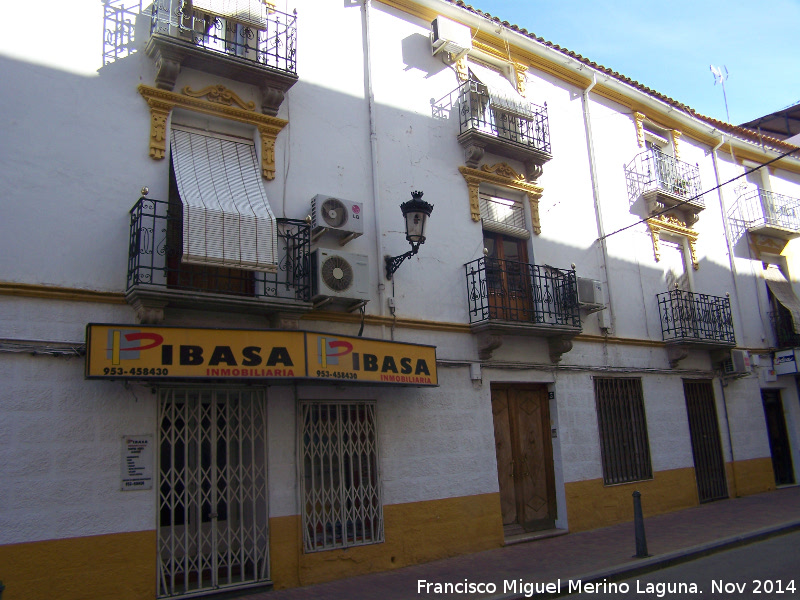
(681, 186)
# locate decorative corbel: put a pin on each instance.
(676, 149)
(461, 68)
(488, 343)
(268, 137)
(558, 345)
(159, 113)
(675, 354)
(638, 119)
(519, 71)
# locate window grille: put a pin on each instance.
(340, 486)
(623, 430)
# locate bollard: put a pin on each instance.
(638, 526)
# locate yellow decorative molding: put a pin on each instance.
(675, 147)
(461, 68)
(491, 50)
(638, 119)
(48, 292)
(519, 71)
(764, 244)
(162, 102)
(220, 94)
(674, 226)
(504, 176)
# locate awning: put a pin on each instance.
(502, 93)
(784, 293)
(227, 220)
(252, 12)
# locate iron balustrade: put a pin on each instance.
(155, 249)
(522, 293)
(514, 120)
(269, 39)
(119, 21)
(687, 316)
(784, 328)
(762, 208)
(653, 170)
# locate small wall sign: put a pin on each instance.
(137, 463)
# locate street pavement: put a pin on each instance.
(591, 556)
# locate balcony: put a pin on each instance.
(690, 319)
(257, 45)
(508, 127)
(157, 277)
(784, 329)
(767, 213)
(513, 298)
(666, 184)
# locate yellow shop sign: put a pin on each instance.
(146, 352)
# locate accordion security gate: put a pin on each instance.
(340, 487)
(212, 511)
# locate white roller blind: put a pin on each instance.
(227, 220)
(784, 293)
(247, 11)
(502, 215)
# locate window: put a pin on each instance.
(623, 429)
(340, 487)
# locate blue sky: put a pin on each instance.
(668, 46)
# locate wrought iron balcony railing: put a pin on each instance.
(268, 37)
(783, 326)
(762, 209)
(654, 171)
(504, 290)
(507, 119)
(690, 317)
(154, 259)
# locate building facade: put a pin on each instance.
(220, 370)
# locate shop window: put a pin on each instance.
(622, 425)
(340, 485)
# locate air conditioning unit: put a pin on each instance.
(342, 218)
(340, 277)
(590, 294)
(451, 37)
(736, 364)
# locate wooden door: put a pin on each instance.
(778, 438)
(508, 281)
(524, 457)
(709, 465)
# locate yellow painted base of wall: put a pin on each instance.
(746, 477)
(590, 504)
(416, 532)
(121, 566)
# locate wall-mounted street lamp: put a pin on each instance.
(416, 212)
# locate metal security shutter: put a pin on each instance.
(227, 220)
(340, 485)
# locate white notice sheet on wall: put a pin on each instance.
(137, 463)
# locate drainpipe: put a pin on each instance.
(373, 150)
(730, 437)
(601, 233)
(726, 229)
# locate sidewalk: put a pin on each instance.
(588, 555)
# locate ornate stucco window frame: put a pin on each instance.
(217, 101)
(672, 226)
(502, 175)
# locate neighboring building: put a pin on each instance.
(210, 380)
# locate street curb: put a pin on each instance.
(655, 563)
